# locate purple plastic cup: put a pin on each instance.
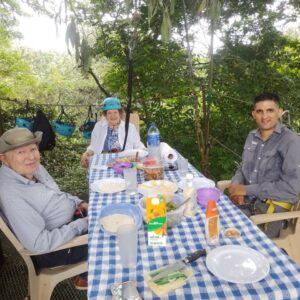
(120, 166)
(205, 194)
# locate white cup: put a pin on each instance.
(130, 176)
(182, 166)
(127, 243)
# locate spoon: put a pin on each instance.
(184, 202)
(136, 156)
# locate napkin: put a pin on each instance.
(168, 154)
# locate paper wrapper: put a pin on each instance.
(163, 289)
(168, 154)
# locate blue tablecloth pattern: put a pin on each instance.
(283, 281)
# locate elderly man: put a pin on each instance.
(41, 216)
(268, 179)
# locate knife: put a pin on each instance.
(177, 266)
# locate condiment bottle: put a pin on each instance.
(189, 192)
(212, 226)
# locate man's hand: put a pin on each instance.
(84, 205)
(237, 193)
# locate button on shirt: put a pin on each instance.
(271, 168)
(37, 211)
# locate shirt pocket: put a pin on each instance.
(248, 157)
(272, 163)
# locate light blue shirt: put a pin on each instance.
(38, 212)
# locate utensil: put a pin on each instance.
(177, 266)
(184, 202)
(136, 155)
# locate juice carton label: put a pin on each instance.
(156, 221)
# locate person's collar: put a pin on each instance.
(277, 130)
(13, 174)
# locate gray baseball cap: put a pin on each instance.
(18, 137)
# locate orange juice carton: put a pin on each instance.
(156, 218)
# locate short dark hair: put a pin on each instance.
(267, 96)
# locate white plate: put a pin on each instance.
(199, 182)
(237, 264)
(157, 186)
(130, 153)
(108, 185)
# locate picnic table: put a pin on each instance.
(105, 269)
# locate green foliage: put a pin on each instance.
(63, 164)
(255, 57)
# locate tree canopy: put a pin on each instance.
(203, 96)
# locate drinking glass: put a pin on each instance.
(182, 166)
(130, 176)
(127, 243)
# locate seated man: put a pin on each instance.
(268, 179)
(40, 215)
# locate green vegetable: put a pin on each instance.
(170, 278)
(170, 206)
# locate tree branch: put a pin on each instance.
(102, 89)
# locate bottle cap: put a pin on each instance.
(189, 176)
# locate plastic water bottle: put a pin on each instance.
(191, 206)
(153, 141)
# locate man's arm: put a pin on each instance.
(30, 228)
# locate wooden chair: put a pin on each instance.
(289, 238)
(40, 286)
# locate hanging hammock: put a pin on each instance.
(24, 120)
(87, 127)
(64, 125)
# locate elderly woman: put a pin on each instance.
(109, 133)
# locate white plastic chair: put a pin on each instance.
(289, 238)
(40, 286)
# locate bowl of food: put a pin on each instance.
(174, 211)
(153, 169)
(154, 187)
(205, 194)
(114, 215)
(232, 233)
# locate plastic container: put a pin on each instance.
(153, 169)
(212, 225)
(153, 141)
(119, 167)
(205, 194)
(174, 217)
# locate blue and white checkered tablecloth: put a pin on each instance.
(283, 281)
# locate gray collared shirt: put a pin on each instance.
(38, 212)
(271, 168)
